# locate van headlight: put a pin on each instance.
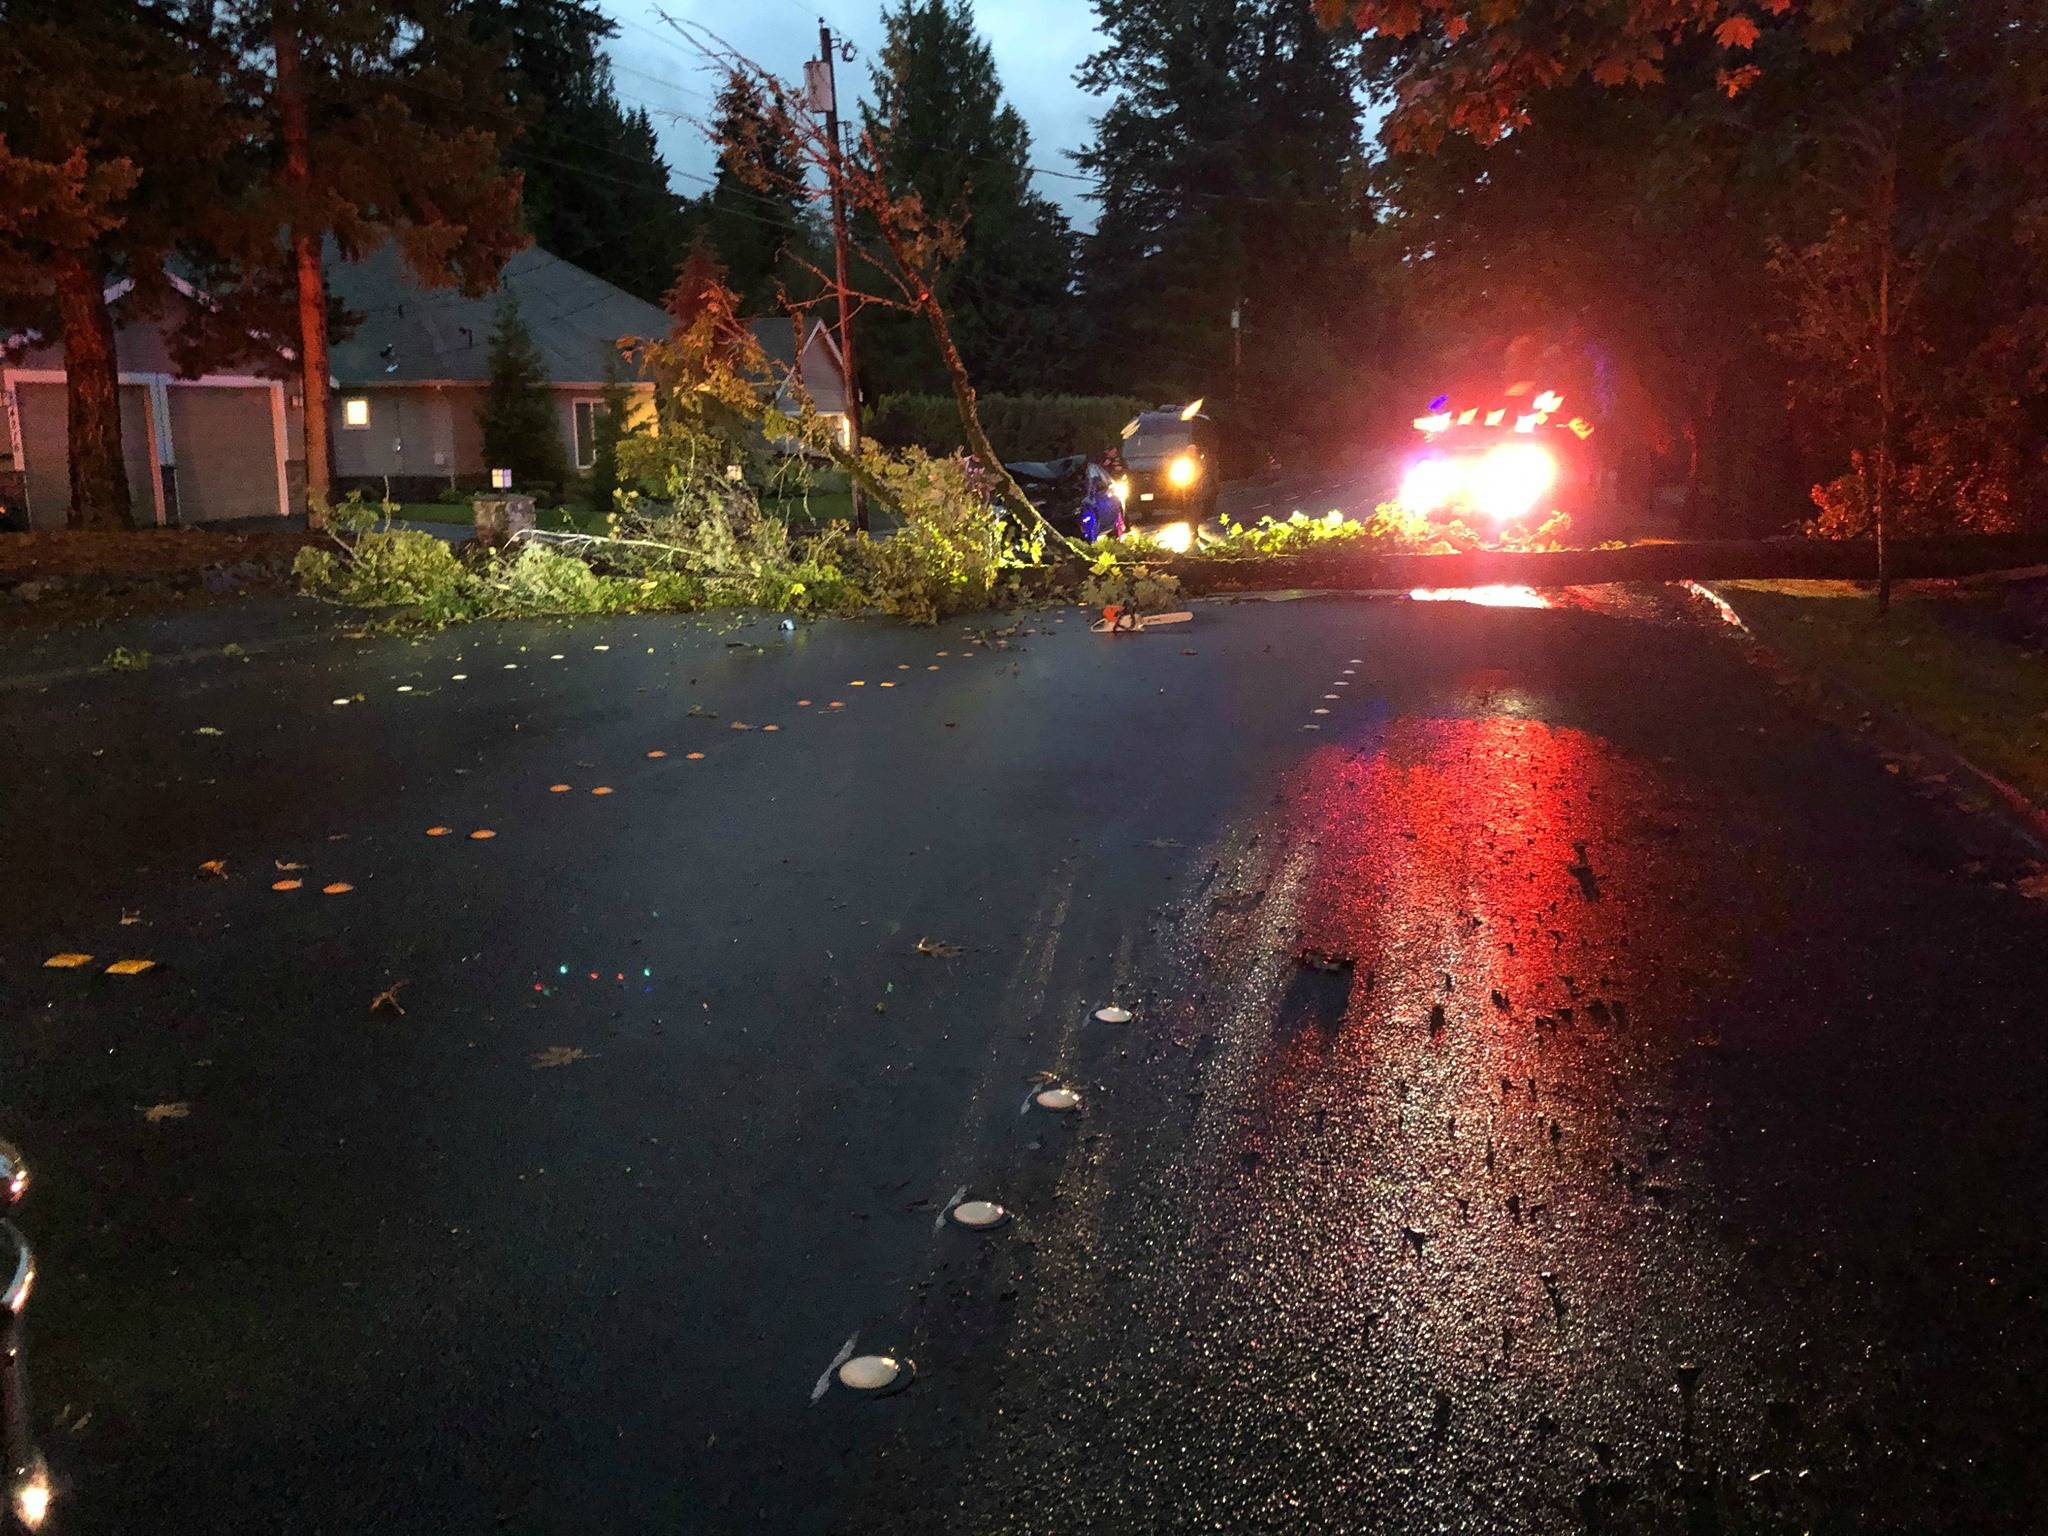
(1184, 470)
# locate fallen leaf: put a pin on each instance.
(388, 998)
(482, 835)
(337, 888)
(209, 730)
(934, 947)
(559, 1056)
(130, 919)
(285, 866)
(218, 868)
(157, 1114)
(771, 727)
(68, 961)
(286, 885)
(2035, 886)
(741, 725)
(130, 967)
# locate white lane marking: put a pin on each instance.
(825, 1380)
(939, 1222)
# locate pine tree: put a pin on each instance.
(596, 189)
(380, 124)
(941, 129)
(750, 218)
(1227, 165)
(112, 125)
(520, 429)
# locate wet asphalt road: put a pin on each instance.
(1662, 1153)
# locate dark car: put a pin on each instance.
(1173, 461)
(1074, 494)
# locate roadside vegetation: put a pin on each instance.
(1955, 663)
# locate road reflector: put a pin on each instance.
(130, 967)
(657, 752)
(602, 789)
(695, 757)
(873, 1373)
(67, 961)
(286, 885)
(337, 888)
(482, 835)
(439, 831)
(980, 1215)
(1113, 1015)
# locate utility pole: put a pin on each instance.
(827, 89)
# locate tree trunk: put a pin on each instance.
(92, 392)
(311, 279)
(1879, 499)
(970, 422)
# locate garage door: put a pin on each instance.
(225, 448)
(48, 463)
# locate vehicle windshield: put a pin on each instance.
(1161, 436)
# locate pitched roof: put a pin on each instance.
(575, 317)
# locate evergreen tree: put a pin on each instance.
(518, 417)
(941, 129)
(750, 218)
(1228, 169)
(596, 187)
(114, 121)
(377, 126)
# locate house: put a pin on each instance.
(819, 367)
(408, 388)
(409, 380)
(219, 447)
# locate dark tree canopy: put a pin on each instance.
(940, 128)
(1227, 160)
(1475, 67)
(751, 218)
(596, 187)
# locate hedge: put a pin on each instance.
(1020, 426)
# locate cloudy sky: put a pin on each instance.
(1038, 44)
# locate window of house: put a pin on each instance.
(586, 432)
(355, 411)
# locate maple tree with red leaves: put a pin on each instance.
(1475, 67)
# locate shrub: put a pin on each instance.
(950, 551)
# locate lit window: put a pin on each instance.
(355, 411)
(586, 432)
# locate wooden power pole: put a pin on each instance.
(826, 98)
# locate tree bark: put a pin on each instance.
(92, 393)
(311, 278)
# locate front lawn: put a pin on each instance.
(1934, 660)
(567, 519)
